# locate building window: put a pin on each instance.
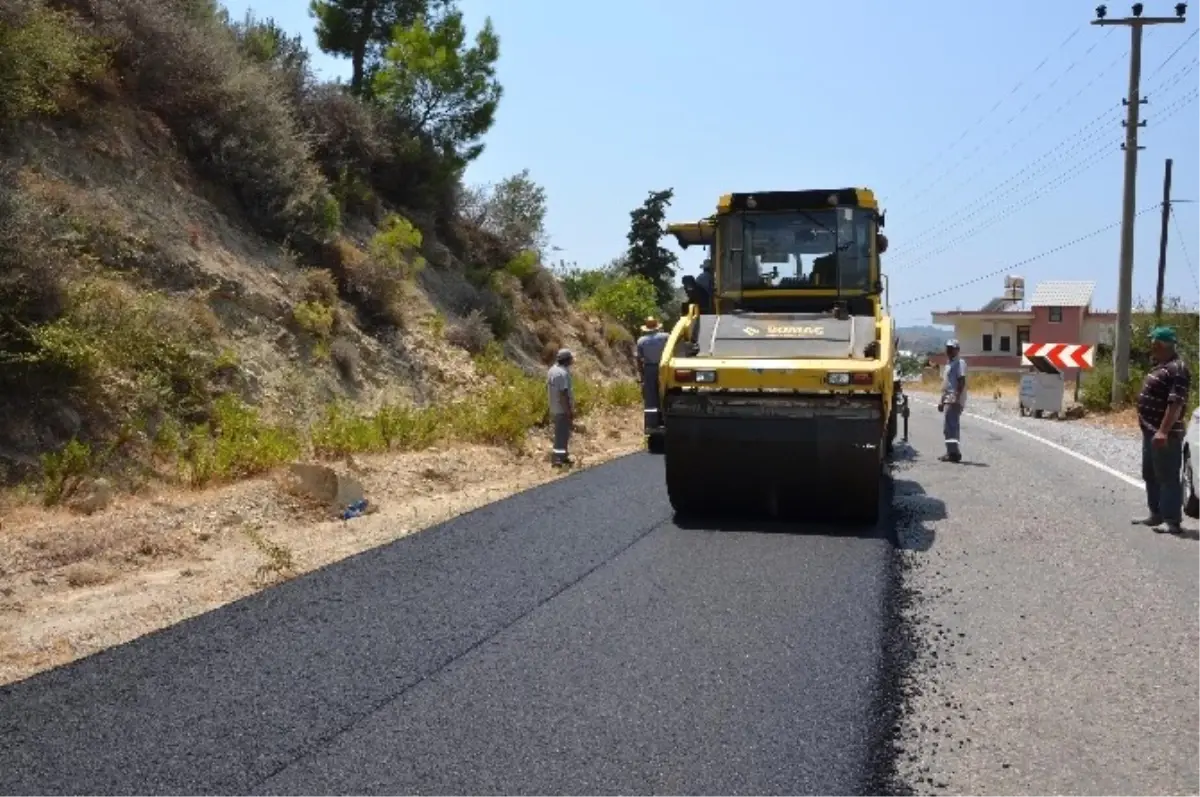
(987, 342)
(1022, 337)
(1005, 343)
(1055, 315)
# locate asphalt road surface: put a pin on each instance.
(573, 639)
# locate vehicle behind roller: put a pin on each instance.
(780, 394)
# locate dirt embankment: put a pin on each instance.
(72, 586)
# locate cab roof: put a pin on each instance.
(808, 199)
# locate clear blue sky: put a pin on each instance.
(605, 102)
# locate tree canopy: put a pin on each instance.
(646, 257)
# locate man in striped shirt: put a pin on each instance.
(1160, 414)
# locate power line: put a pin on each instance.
(1187, 258)
(1024, 262)
(918, 249)
(1034, 129)
(999, 102)
(1158, 68)
(995, 194)
(1071, 173)
(1011, 119)
(953, 221)
(1066, 177)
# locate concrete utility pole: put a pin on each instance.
(1136, 23)
(1162, 243)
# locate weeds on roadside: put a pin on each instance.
(279, 564)
(236, 444)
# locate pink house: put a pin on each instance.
(1059, 312)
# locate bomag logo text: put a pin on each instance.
(795, 330)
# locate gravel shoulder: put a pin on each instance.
(1055, 644)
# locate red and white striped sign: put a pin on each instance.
(1060, 355)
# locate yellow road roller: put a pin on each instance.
(780, 393)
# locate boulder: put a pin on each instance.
(337, 490)
(95, 496)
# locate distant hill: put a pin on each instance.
(923, 339)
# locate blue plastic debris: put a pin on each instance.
(356, 509)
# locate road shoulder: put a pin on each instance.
(1056, 645)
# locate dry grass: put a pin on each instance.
(989, 384)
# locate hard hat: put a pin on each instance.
(564, 356)
(952, 344)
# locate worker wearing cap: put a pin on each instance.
(649, 353)
(562, 405)
(953, 400)
(1160, 415)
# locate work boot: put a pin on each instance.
(1150, 520)
(1170, 527)
(950, 458)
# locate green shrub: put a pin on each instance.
(138, 351)
(43, 52)
(398, 245)
(523, 266)
(64, 470)
(232, 116)
(627, 300)
(1095, 391)
(236, 444)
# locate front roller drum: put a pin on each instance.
(811, 474)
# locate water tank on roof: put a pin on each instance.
(1014, 288)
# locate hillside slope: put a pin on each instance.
(187, 294)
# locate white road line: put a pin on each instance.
(1132, 482)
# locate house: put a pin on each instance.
(1060, 312)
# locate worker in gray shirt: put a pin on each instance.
(649, 353)
(562, 404)
(953, 400)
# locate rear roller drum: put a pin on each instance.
(685, 492)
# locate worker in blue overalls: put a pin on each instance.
(649, 353)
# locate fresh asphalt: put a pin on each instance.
(570, 639)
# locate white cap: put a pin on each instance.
(952, 344)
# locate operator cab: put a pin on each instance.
(813, 251)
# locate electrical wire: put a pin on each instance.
(997, 193)
(1011, 119)
(999, 102)
(1166, 60)
(1024, 262)
(1183, 245)
(923, 240)
(1002, 155)
(1071, 173)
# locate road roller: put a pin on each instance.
(779, 395)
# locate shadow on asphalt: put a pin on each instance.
(904, 516)
(913, 509)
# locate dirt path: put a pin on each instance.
(71, 586)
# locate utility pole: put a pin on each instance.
(1162, 243)
(1133, 102)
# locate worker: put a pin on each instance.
(1160, 410)
(705, 281)
(953, 400)
(695, 294)
(562, 405)
(649, 353)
